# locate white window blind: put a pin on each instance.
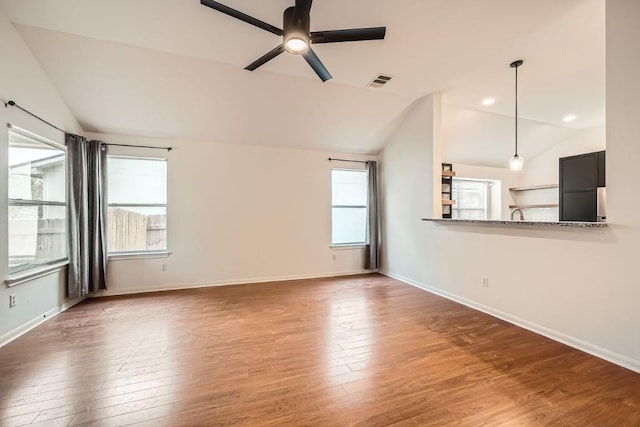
(37, 214)
(137, 204)
(472, 198)
(349, 206)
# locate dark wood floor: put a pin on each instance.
(364, 350)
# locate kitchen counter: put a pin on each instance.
(563, 224)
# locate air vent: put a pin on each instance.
(379, 81)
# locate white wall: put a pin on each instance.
(238, 214)
(577, 286)
(23, 81)
(407, 168)
(544, 168)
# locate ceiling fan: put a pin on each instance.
(296, 37)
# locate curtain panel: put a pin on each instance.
(87, 200)
(371, 260)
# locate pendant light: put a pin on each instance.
(516, 162)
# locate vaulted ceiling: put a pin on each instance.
(174, 68)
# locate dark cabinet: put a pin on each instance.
(579, 206)
(601, 169)
(580, 177)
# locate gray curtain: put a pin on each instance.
(371, 254)
(87, 193)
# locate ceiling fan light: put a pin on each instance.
(296, 45)
(516, 163)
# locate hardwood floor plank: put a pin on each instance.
(362, 351)
(18, 420)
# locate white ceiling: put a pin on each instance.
(479, 138)
(174, 68)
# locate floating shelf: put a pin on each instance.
(534, 187)
(549, 205)
(447, 180)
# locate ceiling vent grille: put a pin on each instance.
(379, 81)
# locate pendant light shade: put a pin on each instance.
(516, 162)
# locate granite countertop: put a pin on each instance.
(563, 224)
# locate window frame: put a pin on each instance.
(487, 199)
(140, 253)
(366, 207)
(38, 270)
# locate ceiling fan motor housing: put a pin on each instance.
(295, 27)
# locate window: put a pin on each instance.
(137, 204)
(472, 198)
(349, 207)
(37, 202)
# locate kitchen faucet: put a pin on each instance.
(513, 212)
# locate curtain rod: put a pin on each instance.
(13, 104)
(345, 160)
(138, 146)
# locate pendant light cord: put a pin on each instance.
(516, 161)
(516, 111)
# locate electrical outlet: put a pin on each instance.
(485, 282)
(164, 267)
(12, 300)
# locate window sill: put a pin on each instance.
(138, 255)
(35, 273)
(349, 246)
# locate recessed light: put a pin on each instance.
(569, 118)
(488, 101)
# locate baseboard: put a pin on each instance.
(576, 343)
(37, 321)
(181, 286)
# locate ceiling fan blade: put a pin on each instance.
(317, 65)
(265, 58)
(302, 10)
(351, 35)
(241, 16)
